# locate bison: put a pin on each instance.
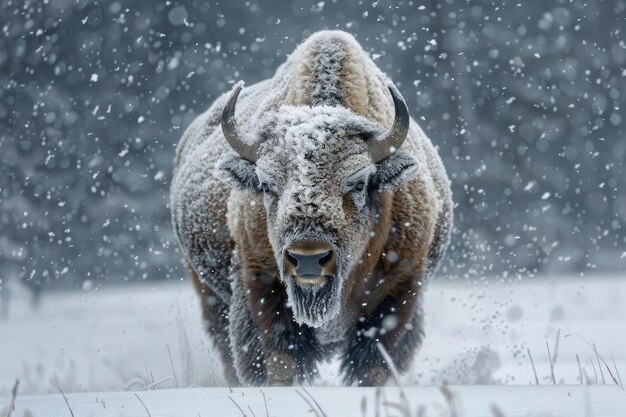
(311, 209)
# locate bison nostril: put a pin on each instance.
(292, 259)
(309, 259)
(325, 258)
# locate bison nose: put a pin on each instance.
(309, 259)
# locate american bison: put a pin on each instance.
(311, 209)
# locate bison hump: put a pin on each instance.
(331, 68)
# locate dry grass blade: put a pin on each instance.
(144, 405)
(611, 375)
(599, 358)
(135, 381)
(67, 402)
(267, 412)
(387, 358)
(11, 405)
(396, 376)
(172, 363)
(309, 403)
(580, 370)
(160, 381)
(617, 372)
(237, 405)
(449, 396)
(314, 401)
(533, 365)
(586, 376)
(599, 365)
(551, 365)
(556, 346)
(594, 369)
(211, 369)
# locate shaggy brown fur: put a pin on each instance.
(406, 244)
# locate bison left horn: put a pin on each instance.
(231, 131)
(384, 144)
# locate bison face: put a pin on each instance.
(321, 187)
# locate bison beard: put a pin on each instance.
(314, 305)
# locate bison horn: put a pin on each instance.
(231, 132)
(384, 144)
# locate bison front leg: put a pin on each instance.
(269, 347)
(394, 324)
(245, 338)
(215, 317)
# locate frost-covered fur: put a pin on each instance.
(234, 217)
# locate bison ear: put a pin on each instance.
(395, 171)
(237, 172)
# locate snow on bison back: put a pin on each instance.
(311, 209)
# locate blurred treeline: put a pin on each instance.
(524, 100)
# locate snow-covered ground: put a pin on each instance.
(130, 337)
(452, 401)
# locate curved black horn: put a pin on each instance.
(230, 130)
(383, 145)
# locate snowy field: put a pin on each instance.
(452, 401)
(143, 337)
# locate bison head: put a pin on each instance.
(321, 171)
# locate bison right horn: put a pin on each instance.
(231, 131)
(383, 145)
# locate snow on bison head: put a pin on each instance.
(320, 169)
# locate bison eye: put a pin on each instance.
(359, 186)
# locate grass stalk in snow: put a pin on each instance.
(144, 405)
(237, 405)
(127, 386)
(11, 405)
(600, 358)
(617, 372)
(211, 368)
(594, 369)
(172, 363)
(580, 370)
(187, 366)
(533, 365)
(315, 407)
(556, 346)
(149, 374)
(551, 365)
(395, 374)
(267, 413)
(314, 400)
(449, 396)
(155, 383)
(67, 402)
(599, 365)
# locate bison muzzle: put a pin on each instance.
(311, 209)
